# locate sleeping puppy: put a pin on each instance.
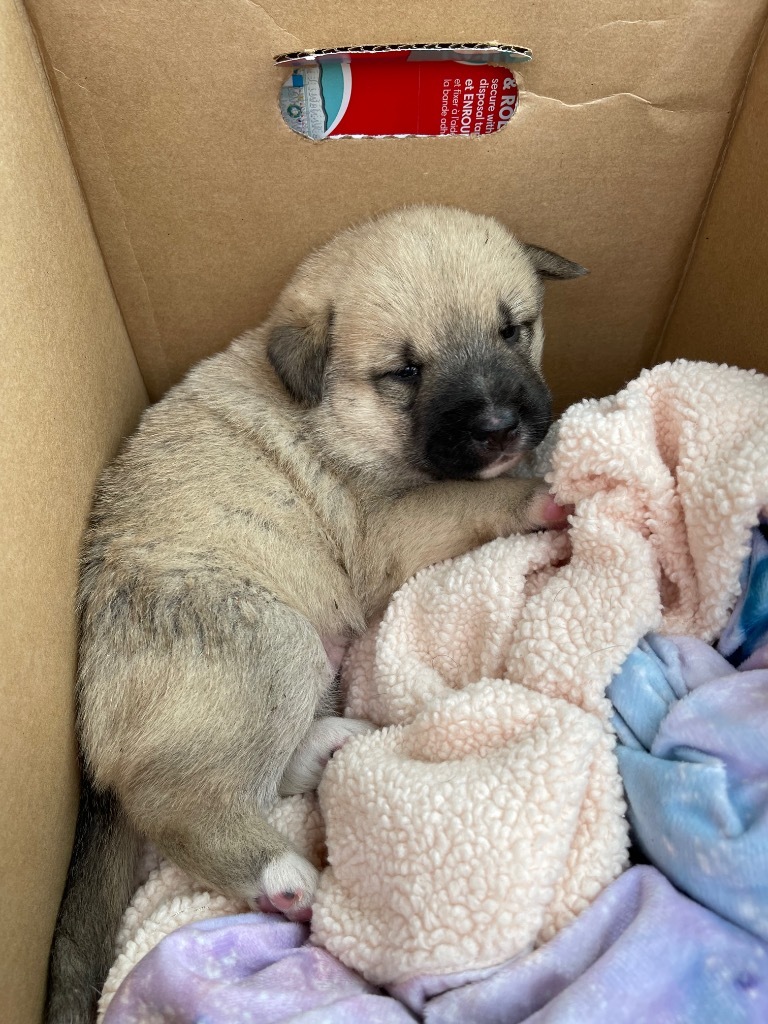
(263, 512)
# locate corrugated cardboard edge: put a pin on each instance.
(521, 53)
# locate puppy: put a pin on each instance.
(264, 510)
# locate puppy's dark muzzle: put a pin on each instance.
(468, 438)
(479, 413)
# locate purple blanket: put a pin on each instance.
(642, 952)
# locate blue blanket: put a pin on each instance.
(693, 755)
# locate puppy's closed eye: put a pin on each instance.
(515, 327)
(400, 385)
(411, 372)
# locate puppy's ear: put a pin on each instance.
(549, 264)
(298, 355)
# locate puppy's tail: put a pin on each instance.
(100, 883)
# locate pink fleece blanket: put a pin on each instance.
(487, 810)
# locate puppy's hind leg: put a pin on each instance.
(227, 718)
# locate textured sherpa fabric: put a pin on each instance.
(490, 813)
(487, 811)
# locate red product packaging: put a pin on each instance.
(426, 90)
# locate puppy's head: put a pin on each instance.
(414, 343)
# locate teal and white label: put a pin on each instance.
(313, 100)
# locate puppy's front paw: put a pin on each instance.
(325, 737)
(287, 886)
(547, 514)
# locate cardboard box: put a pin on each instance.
(154, 201)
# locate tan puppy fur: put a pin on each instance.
(264, 510)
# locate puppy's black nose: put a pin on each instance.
(496, 428)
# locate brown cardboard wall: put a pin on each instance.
(203, 200)
(69, 389)
(722, 310)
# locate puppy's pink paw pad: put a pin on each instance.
(290, 904)
(288, 887)
(549, 514)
